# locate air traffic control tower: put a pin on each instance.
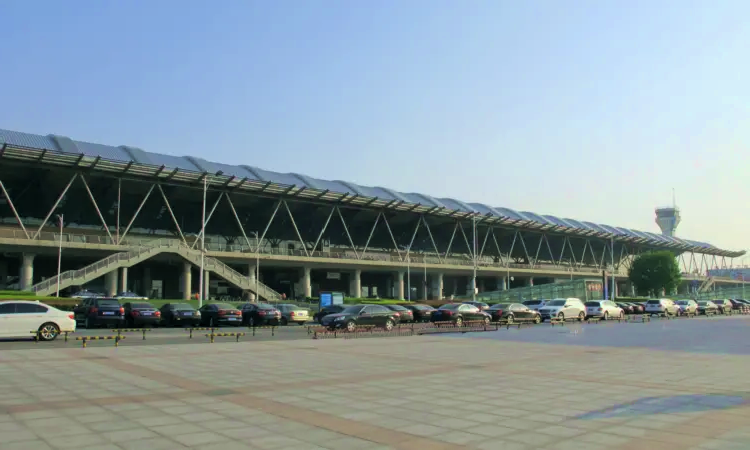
(668, 218)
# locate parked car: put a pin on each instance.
(215, 314)
(707, 308)
(173, 314)
(141, 313)
(421, 313)
(20, 318)
(351, 317)
(737, 304)
(259, 314)
(293, 314)
(326, 310)
(85, 293)
(535, 304)
(130, 296)
(626, 307)
(724, 306)
(662, 306)
(458, 313)
(403, 314)
(512, 312)
(687, 306)
(93, 312)
(481, 305)
(638, 308)
(605, 309)
(564, 308)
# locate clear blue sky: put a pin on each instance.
(587, 109)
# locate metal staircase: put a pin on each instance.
(128, 259)
(707, 284)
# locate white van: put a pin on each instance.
(564, 308)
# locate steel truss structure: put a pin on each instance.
(120, 200)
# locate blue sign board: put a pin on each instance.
(331, 298)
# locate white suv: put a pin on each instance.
(662, 306)
(604, 309)
(563, 308)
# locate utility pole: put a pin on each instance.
(203, 244)
(474, 279)
(59, 254)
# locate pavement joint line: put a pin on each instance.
(348, 427)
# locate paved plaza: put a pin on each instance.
(534, 388)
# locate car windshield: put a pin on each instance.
(654, 302)
(500, 306)
(533, 302)
(182, 307)
(682, 302)
(224, 306)
(703, 303)
(109, 303)
(451, 306)
(266, 306)
(352, 309)
(593, 304)
(556, 303)
(141, 305)
(397, 308)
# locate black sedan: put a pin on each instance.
(215, 314)
(511, 312)
(326, 310)
(422, 313)
(353, 316)
(626, 307)
(141, 313)
(259, 314)
(458, 313)
(403, 314)
(173, 314)
(707, 308)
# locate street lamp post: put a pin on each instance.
(203, 245)
(59, 254)
(408, 276)
(474, 279)
(257, 265)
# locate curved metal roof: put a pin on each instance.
(61, 144)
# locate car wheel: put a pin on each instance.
(487, 321)
(622, 315)
(561, 316)
(388, 325)
(537, 320)
(459, 321)
(581, 316)
(48, 331)
(606, 315)
(351, 326)
(509, 318)
(284, 321)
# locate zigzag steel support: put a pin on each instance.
(413, 236)
(497, 245)
(171, 213)
(572, 253)
(208, 218)
(268, 225)
(510, 253)
(471, 252)
(239, 222)
(296, 230)
(549, 249)
(325, 227)
(52, 210)
(437, 252)
(346, 229)
(583, 254)
(525, 251)
(13, 208)
(393, 238)
(538, 249)
(96, 207)
(604, 254)
(593, 255)
(564, 246)
(135, 215)
(481, 251)
(450, 242)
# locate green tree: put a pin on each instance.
(653, 271)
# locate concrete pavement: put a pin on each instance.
(429, 392)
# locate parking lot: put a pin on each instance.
(659, 385)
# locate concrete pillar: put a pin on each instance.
(187, 280)
(400, 285)
(389, 288)
(110, 283)
(147, 281)
(3, 274)
(206, 283)
(455, 287)
(251, 272)
(26, 277)
(501, 284)
(437, 286)
(124, 279)
(355, 284)
(306, 282)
